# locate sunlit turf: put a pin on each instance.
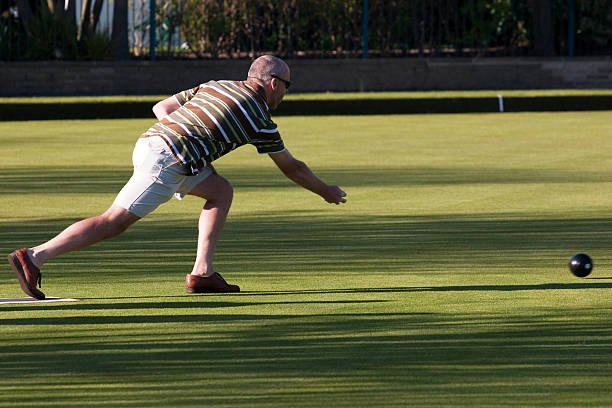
(443, 282)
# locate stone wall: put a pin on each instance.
(342, 75)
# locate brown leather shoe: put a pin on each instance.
(214, 283)
(27, 273)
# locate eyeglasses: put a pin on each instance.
(284, 81)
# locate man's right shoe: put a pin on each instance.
(27, 273)
(209, 284)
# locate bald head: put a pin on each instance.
(266, 66)
(273, 75)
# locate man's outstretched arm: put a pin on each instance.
(301, 174)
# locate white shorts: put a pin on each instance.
(157, 177)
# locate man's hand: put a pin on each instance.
(334, 195)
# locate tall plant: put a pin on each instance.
(204, 26)
(52, 31)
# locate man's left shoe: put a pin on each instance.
(209, 284)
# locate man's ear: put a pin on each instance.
(274, 84)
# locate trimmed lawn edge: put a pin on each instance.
(130, 109)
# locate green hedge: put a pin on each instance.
(117, 109)
(444, 105)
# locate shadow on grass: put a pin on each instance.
(204, 302)
(290, 244)
(272, 357)
(195, 304)
(466, 288)
(276, 357)
(104, 179)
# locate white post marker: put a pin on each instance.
(500, 98)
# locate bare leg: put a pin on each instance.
(218, 193)
(83, 233)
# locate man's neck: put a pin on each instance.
(259, 87)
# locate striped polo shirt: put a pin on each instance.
(215, 118)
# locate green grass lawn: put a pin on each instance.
(443, 282)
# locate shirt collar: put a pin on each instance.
(257, 89)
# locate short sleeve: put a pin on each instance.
(266, 142)
(185, 96)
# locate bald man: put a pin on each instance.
(174, 158)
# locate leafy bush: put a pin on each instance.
(313, 28)
(50, 34)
